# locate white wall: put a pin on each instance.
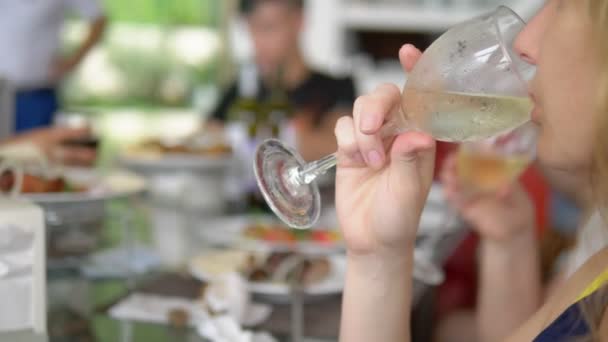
(322, 41)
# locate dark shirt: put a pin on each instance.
(317, 95)
(571, 325)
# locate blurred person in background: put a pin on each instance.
(379, 221)
(31, 59)
(317, 100)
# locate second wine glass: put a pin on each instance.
(488, 165)
(484, 167)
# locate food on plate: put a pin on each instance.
(209, 144)
(24, 168)
(276, 267)
(287, 267)
(36, 184)
(179, 148)
(282, 234)
(220, 263)
(178, 318)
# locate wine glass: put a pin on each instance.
(483, 167)
(468, 85)
(488, 165)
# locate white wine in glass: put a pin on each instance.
(452, 116)
(488, 165)
(489, 172)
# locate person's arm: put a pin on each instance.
(96, 30)
(510, 285)
(52, 143)
(91, 11)
(510, 280)
(377, 298)
(380, 194)
(65, 65)
(219, 115)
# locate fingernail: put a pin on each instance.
(375, 160)
(368, 123)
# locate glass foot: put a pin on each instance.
(277, 170)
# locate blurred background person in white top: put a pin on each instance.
(31, 60)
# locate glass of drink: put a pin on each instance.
(484, 167)
(468, 85)
(488, 165)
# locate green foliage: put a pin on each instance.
(170, 12)
(149, 76)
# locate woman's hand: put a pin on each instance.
(53, 141)
(500, 218)
(509, 266)
(381, 185)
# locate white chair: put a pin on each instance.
(22, 271)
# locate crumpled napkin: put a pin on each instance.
(226, 329)
(227, 307)
(229, 297)
(228, 294)
(154, 308)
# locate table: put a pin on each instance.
(82, 310)
(22, 336)
(322, 316)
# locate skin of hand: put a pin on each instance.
(52, 142)
(509, 266)
(381, 186)
(498, 217)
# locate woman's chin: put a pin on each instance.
(553, 159)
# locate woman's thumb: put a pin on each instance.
(413, 151)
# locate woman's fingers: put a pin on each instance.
(348, 149)
(449, 171)
(74, 156)
(412, 155)
(60, 134)
(370, 113)
(411, 146)
(451, 182)
(409, 56)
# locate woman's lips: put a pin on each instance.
(535, 116)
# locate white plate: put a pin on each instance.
(101, 187)
(182, 162)
(331, 285)
(229, 232)
(155, 309)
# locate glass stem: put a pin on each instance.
(312, 170)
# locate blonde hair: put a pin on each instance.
(594, 309)
(599, 16)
